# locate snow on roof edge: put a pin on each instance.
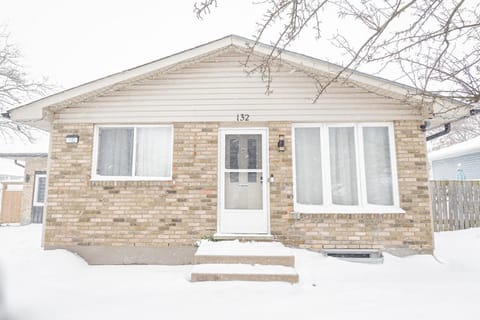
(456, 150)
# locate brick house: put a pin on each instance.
(28, 161)
(33, 186)
(146, 162)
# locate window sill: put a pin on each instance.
(131, 182)
(348, 210)
(126, 179)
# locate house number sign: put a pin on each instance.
(241, 117)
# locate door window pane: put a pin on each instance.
(243, 194)
(252, 159)
(41, 188)
(308, 166)
(153, 151)
(243, 151)
(232, 152)
(343, 167)
(378, 169)
(115, 148)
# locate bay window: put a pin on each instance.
(133, 152)
(345, 168)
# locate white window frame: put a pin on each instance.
(35, 190)
(97, 177)
(363, 206)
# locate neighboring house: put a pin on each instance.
(465, 156)
(27, 161)
(146, 162)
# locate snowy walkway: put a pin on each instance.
(55, 285)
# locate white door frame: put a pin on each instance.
(222, 132)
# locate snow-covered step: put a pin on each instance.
(236, 252)
(243, 272)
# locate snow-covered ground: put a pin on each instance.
(51, 285)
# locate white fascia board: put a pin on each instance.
(456, 150)
(34, 110)
(360, 77)
(326, 67)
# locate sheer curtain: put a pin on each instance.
(378, 169)
(153, 151)
(308, 166)
(343, 168)
(115, 149)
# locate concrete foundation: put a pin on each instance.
(103, 255)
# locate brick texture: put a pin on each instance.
(182, 211)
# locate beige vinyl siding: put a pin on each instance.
(217, 89)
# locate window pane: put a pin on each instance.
(115, 148)
(154, 151)
(41, 187)
(378, 168)
(343, 167)
(308, 166)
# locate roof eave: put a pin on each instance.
(34, 113)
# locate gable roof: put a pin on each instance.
(34, 112)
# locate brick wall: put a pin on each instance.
(132, 213)
(151, 213)
(404, 233)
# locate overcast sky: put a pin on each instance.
(72, 42)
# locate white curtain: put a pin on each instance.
(308, 166)
(154, 151)
(115, 148)
(343, 168)
(378, 168)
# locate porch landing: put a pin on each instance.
(243, 261)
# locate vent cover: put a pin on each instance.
(355, 255)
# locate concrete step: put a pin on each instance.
(235, 252)
(287, 260)
(243, 237)
(243, 272)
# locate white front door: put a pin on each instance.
(243, 181)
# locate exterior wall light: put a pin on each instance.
(281, 143)
(72, 139)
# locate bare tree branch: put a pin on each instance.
(435, 44)
(16, 87)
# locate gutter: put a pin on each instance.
(18, 163)
(446, 130)
(474, 112)
(447, 126)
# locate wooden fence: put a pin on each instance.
(11, 201)
(455, 204)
